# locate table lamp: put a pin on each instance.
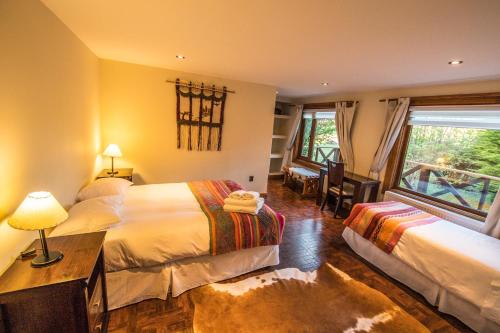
(39, 211)
(112, 151)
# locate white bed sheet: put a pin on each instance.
(465, 262)
(435, 294)
(133, 285)
(160, 223)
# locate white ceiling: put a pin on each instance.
(297, 44)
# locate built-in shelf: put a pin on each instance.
(281, 116)
(281, 127)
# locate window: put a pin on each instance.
(319, 141)
(452, 155)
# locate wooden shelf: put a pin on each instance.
(279, 136)
(276, 155)
(281, 116)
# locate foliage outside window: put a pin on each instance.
(453, 157)
(319, 141)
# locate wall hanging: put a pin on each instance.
(200, 115)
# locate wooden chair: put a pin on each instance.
(336, 185)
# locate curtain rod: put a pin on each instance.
(325, 105)
(198, 86)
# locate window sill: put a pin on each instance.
(452, 210)
(309, 165)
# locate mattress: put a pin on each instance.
(434, 293)
(160, 223)
(463, 261)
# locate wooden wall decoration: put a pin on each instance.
(200, 116)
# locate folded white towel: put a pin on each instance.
(242, 202)
(244, 195)
(245, 209)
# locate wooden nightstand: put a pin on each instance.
(125, 173)
(68, 296)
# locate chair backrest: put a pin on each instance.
(335, 174)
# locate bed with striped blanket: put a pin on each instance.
(235, 231)
(383, 223)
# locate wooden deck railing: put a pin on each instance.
(442, 174)
(325, 152)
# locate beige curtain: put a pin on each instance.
(344, 117)
(290, 142)
(396, 116)
(492, 224)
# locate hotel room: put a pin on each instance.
(250, 166)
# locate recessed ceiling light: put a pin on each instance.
(455, 62)
(324, 83)
(180, 56)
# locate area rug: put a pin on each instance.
(288, 300)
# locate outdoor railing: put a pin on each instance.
(323, 153)
(450, 180)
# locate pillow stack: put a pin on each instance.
(248, 202)
(98, 207)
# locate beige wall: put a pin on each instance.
(138, 113)
(48, 112)
(371, 114)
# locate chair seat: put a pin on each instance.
(336, 191)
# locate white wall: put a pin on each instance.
(138, 112)
(49, 133)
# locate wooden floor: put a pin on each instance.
(311, 238)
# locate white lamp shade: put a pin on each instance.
(39, 210)
(112, 151)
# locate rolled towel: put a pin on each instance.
(242, 202)
(244, 195)
(245, 209)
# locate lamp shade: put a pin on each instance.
(39, 210)
(112, 151)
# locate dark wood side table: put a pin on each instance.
(125, 173)
(361, 185)
(68, 296)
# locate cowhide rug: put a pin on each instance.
(288, 300)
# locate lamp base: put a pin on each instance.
(112, 173)
(41, 260)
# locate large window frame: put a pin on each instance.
(398, 154)
(309, 161)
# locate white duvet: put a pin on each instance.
(160, 223)
(463, 261)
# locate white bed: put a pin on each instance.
(162, 240)
(454, 268)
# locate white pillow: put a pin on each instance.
(91, 215)
(102, 187)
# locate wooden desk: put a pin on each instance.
(361, 185)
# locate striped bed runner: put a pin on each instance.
(235, 231)
(383, 223)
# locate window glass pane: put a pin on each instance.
(325, 146)
(325, 115)
(305, 141)
(458, 165)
